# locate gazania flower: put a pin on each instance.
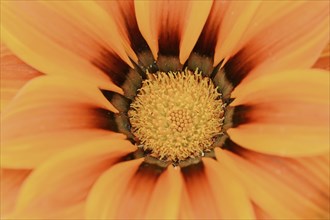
(164, 110)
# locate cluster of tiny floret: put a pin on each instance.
(181, 120)
(176, 115)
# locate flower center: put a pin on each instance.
(176, 115)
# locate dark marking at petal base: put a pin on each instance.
(147, 62)
(228, 118)
(138, 43)
(155, 161)
(232, 147)
(132, 84)
(113, 66)
(203, 63)
(105, 119)
(150, 170)
(124, 126)
(215, 70)
(140, 69)
(230, 100)
(169, 42)
(219, 140)
(207, 41)
(120, 73)
(239, 66)
(169, 63)
(188, 162)
(127, 157)
(108, 120)
(241, 115)
(224, 86)
(193, 170)
(139, 153)
(210, 154)
(121, 103)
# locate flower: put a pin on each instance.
(70, 135)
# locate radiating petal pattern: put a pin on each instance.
(70, 151)
(237, 19)
(230, 196)
(59, 187)
(70, 46)
(171, 28)
(118, 185)
(284, 43)
(265, 13)
(199, 200)
(212, 192)
(208, 39)
(285, 113)
(14, 74)
(283, 187)
(50, 114)
(166, 197)
(136, 187)
(123, 14)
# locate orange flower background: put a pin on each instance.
(65, 154)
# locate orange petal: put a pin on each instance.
(294, 39)
(282, 188)
(125, 193)
(199, 201)
(231, 199)
(51, 114)
(171, 28)
(208, 39)
(14, 74)
(166, 197)
(195, 22)
(287, 113)
(58, 188)
(258, 16)
(323, 61)
(260, 214)
(123, 13)
(73, 43)
(11, 182)
(138, 191)
(236, 20)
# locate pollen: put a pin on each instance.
(176, 115)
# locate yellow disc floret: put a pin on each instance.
(176, 115)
